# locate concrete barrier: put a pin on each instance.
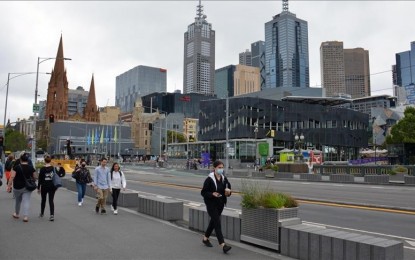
(284, 175)
(341, 178)
(230, 222)
(126, 199)
(160, 207)
(377, 179)
(409, 180)
(242, 173)
(310, 242)
(310, 177)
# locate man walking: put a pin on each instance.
(102, 182)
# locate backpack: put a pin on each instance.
(8, 166)
(120, 174)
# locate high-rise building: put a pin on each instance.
(286, 55)
(404, 75)
(258, 59)
(245, 58)
(246, 80)
(77, 99)
(138, 82)
(224, 81)
(199, 56)
(344, 71)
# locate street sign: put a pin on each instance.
(36, 108)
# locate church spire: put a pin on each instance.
(91, 111)
(59, 61)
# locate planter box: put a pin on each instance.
(310, 177)
(163, 208)
(398, 177)
(409, 180)
(341, 178)
(281, 175)
(377, 179)
(261, 226)
(126, 199)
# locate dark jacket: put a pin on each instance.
(210, 186)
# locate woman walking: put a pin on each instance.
(8, 166)
(215, 190)
(46, 187)
(18, 175)
(82, 177)
(117, 182)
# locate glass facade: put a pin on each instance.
(224, 83)
(258, 59)
(286, 55)
(405, 73)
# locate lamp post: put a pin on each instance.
(256, 143)
(39, 60)
(374, 136)
(298, 140)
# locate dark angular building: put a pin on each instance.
(326, 128)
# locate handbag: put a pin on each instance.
(30, 183)
(57, 182)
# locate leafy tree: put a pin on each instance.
(404, 130)
(41, 144)
(171, 137)
(15, 141)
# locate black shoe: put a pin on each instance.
(51, 218)
(103, 211)
(226, 248)
(40, 215)
(97, 210)
(207, 243)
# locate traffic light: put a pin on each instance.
(68, 147)
(51, 118)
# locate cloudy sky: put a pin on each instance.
(107, 38)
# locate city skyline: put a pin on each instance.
(108, 47)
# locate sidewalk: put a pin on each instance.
(79, 233)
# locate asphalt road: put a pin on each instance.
(373, 222)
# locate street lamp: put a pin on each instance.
(298, 140)
(374, 136)
(39, 60)
(256, 143)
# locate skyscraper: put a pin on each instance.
(245, 58)
(258, 59)
(286, 56)
(224, 81)
(199, 56)
(404, 75)
(246, 80)
(344, 71)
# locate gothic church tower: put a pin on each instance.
(57, 97)
(91, 113)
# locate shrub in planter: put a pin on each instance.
(399, 170)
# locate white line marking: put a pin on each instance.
(305, 182)
(363, 231)
(338, 185)
(374, 187)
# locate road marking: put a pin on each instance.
(376, 187)
(338, 185)
(306, 183)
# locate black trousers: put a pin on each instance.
(43, 192)
(215, 212)
(115, 195)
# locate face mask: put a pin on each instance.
(83, 165)
(219, 171)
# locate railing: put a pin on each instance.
(359, 171)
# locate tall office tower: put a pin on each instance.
(199, 56)
(224, 81)
(286, 51)
(344, 71)
(138, 82)
(77, 99)
(246, 80)
(332, 68)
(405, 75)
(245, 58)
(357, 72)
(258, 59)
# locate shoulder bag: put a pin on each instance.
(30, 183)
(57, 182)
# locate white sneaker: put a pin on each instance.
(112, 208)
(116, 212)
(79, 204)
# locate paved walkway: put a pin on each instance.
(79, 233)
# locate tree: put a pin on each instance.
(172, 135)
(15, 141)
(42, 144)
(404, 130)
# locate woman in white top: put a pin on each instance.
(117, 182)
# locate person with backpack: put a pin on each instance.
(117, 182)
(45, 187)
(8, 166)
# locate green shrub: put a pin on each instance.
(399, 169)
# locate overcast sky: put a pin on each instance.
(107, 38)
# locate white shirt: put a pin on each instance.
(118, 181)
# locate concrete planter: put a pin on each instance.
(409, 180)
(310, 177)
(400, 177)
(163, 208)
(377, 179)
(341, 178)
(126, 199)
(261, 226)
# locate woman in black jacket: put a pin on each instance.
(215, 190)
(45, 187)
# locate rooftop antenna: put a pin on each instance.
(199, 12)
(285, 5)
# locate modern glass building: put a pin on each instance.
(77, 99)
(199, 56)
(137, 82)
(286, 55)
(258, 59)
(224, 81)
(404, 74)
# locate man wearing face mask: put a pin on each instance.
(215, 191)
(82, 177)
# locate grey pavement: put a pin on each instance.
(80, 233)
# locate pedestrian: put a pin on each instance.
(45, 187)
(8, 166)
(117, 182)
(215, 191)
(18, 175)
(60, 170)
(102, 183)
(82, 177)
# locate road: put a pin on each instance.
(379, 222)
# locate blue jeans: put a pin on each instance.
(81, 187)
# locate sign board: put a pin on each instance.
(36, 108)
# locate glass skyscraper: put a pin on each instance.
(286, 55)
(405, 67)
(224, 81)
(199, 56)
(258, 59)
